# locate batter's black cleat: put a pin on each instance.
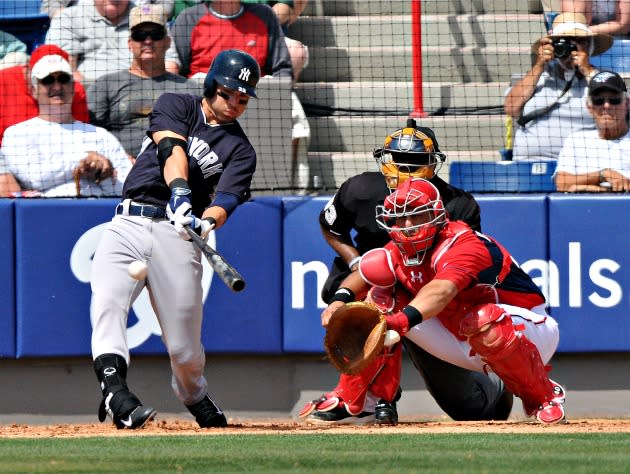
(207, 414)
(125, 410)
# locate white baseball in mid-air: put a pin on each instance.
(137, 270)
(391, 338)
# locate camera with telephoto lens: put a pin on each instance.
(563, 47)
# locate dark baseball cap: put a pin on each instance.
(606, 80)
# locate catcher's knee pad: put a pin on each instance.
(488, 328)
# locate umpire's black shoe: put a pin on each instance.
(207, 414)
(385, 413)
(125, 410)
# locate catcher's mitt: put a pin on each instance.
(354, 337)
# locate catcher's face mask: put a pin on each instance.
(412, 216)
(408, 153)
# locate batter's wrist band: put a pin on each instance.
(211, 220)
(413, 315)
(345, 295)
(354, 261)
(179, 183)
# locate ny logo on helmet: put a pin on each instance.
(244, 74)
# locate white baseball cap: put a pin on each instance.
(49, 64)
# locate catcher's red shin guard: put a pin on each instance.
(511, 356)
(351, 390)
(387, 381)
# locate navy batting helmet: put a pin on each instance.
(233, 69)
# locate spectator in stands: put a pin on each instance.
(12, 51)
(202, 31)
(599, 160)
(122, 101)
(181, 5)
(287, 12)
(18, 104)
(54, 7)
(548, 103)
(55, 155)
(95, 34)
(611, 17)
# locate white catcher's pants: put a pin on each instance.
(432, 336)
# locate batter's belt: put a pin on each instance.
(140, 210)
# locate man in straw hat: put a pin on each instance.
(548, 103)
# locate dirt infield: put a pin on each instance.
(168, 427)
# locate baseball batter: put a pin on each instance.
(194, 168)
(470, 305)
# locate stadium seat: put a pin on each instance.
(24, 20)
(617, 58)
(503, 176)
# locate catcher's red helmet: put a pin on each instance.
(412, 216)
(410, 152)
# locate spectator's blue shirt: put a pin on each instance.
(220, 157)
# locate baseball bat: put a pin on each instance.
(221, 267)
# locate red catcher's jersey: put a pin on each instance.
(468, 259)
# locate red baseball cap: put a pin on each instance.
(46, 50)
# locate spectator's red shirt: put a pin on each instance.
(212, 35)
(18, 104)
(200, 35)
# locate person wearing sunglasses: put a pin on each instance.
(18, 104)
(95, 34)
(54, 155)
(548, 102)
(122, 101)
(599, 160)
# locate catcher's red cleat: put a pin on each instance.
(550, 413)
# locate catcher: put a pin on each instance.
(471, 304)
(463, 394)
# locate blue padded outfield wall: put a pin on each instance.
(575, 248)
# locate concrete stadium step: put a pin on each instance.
(384, 96)
(437, 30)
(439, 63)
(331, 169)
(361, 134)
(393, 7)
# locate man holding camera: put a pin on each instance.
(548, 103)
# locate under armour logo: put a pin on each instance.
(244, 74)
(416, 276)
(109, 371)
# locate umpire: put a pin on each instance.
(408, 152)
